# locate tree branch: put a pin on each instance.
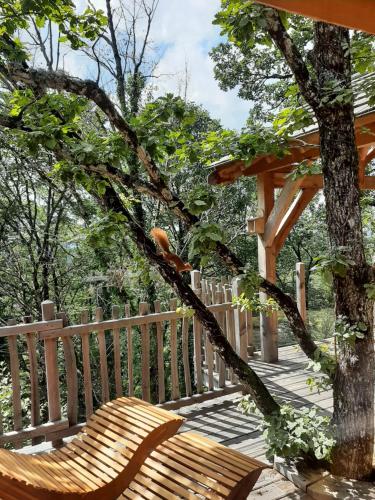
(292, 56)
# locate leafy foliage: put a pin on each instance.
(333, 264)
(255, 304)
(322, 362)
(347, 333)
(294, 432)
(186, 312)
(204, 239)
(73, 27)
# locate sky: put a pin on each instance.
(185, 28)
(184, 35)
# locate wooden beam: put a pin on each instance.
(357, 15)
(280, 209)
(296, 209)
(309, 182)
(316, 181)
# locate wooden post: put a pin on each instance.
(160, 355)
(117, 352)
(239, 323)
(102, 356)
(206, 299)
(33, 380)
(185, 355)
(87, 382)
(267, 269)
(175, 387)
(71, 374)
(129, 338)
(230, 328)
(197, 332)
(220, 317)
(145, 353)
(250, 333)
(301, 289)
(16, 382)
(52, 369)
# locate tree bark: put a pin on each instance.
(353, 384)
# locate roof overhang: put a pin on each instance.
(300, 148)
(353, 14)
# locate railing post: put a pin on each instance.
(160, 355)
(239, 323)
(34, 383)
(52, 370)
(87, 382)
(301, 289)
(117, 352)
(175, 386)
(145, 353)
(71, 374)
(16, 382)
(197, 333)
(129, 338)
(230, 328)
(102, 356)
(220, 317)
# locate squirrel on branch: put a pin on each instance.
(161, 239)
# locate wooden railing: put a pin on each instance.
(55, 385)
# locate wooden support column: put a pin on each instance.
(267, 269)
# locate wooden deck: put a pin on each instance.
(219, 419)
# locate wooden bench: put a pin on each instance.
(99, 463)
(191, 466)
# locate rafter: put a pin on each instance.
(303, 147)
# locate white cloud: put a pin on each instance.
(185, 28)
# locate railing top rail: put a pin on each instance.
(23, 328)
(110, 324)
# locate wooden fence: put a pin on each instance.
(55, 385)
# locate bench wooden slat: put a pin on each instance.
(189, 465)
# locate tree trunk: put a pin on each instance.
(353, 385)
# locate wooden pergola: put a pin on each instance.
(354, 14)
(277, 215)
